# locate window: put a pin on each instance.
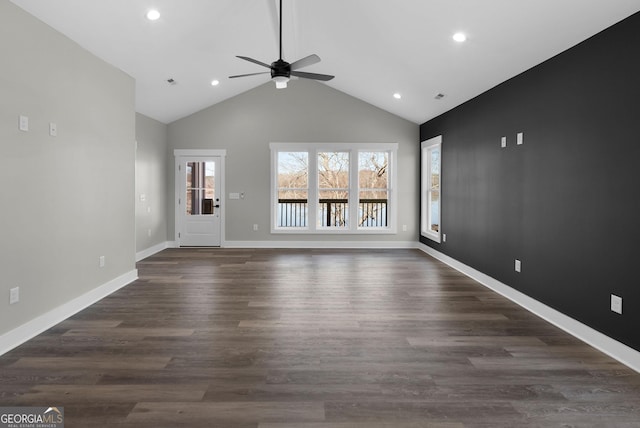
(333, 188)
(293, 189)
(373, 183)
(431, 188)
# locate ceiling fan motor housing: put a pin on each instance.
(280, 68)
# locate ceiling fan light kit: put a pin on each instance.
(281, 70)
(281, 81)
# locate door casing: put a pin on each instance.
(183, 156)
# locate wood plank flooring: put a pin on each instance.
(314, 339)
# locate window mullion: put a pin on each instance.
(312, 203)
(354, 190)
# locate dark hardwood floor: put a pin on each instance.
(314, 339)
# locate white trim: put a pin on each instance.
(30, 329)
(322, 244)
(426, 148)
(199, 152)
(295, 147)
(141, 255)
(617, 350)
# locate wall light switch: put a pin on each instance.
(503, 142)
(518, 265)
(23, 124)
(234, 195)
(616, 304)
(444, 237)
(102, 261)
(53, 129)
(520, 138)
(14, 295)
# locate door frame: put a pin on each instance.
(180, 156)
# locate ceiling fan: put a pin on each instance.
(281, 70)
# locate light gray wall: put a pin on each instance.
(151, 182)
(306, 111)
(66, 200)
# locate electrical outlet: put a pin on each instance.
(23, 123)
(149, 232)
(14, 295)
(444, 237)
(518, 265)
(404, 227)
(102, 261)
(255, 227)
(616, 304)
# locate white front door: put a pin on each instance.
(199, 201)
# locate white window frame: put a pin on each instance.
(426, 149)
(354, 149)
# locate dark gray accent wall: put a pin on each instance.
(567, 201)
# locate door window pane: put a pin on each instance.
(200, 195)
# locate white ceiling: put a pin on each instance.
(373, 47)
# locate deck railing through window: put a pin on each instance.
(332, 212)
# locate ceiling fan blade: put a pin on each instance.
(306, 61)
(245, 75)
(255, 61)
(314, 76)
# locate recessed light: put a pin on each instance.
(153, 15)
(459, 37)
(215, 82)
(397, 96)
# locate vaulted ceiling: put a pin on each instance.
(375, 48)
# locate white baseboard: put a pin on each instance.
(152, 250)
(321, 244)
(619, 351)
(32, 328)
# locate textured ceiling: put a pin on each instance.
(374, 47)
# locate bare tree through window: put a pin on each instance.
(333, 189)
